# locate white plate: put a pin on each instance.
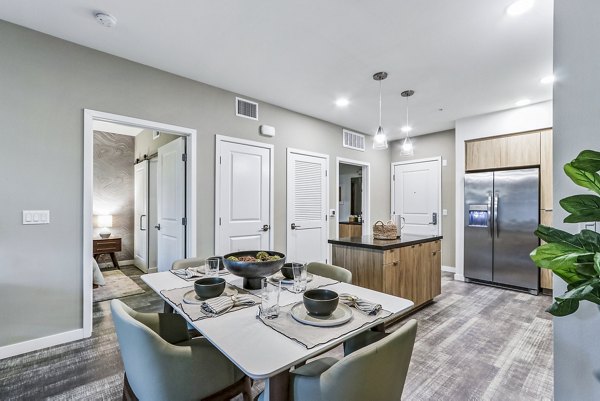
(190, 297)
(341, 315)
(277, 277)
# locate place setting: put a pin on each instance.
(212, 266)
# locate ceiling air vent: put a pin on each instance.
(245, 108)
(353, 140)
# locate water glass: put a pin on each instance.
(211, 269)
(269, 294)
(299, 270)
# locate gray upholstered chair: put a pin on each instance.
(185, 263)
(330, 271)
(163, 363)
(376, 372)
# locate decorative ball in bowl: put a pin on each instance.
(320, 302)
(287, 270)
(253, 265)
(209, 287)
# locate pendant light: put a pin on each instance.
(407, 146)
(380, 140)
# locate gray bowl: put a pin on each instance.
(320, 302)
(287, 271)
(209, 287)
(253, 272)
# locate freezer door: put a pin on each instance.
(478, 225)
(516, 216)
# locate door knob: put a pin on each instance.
(157, 226)
(294, 226)
(265, 227)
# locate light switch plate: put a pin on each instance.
(445, 212)
(36, 217)
(331, 212)
(444, 162)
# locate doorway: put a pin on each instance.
(92, 118)
(353, 201)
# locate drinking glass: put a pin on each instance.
(269, 294)
(299, 270)
(211, 268)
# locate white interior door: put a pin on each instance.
(307, 191)
(140, 234)
(243, 197)
(171, 203)
(416, 195)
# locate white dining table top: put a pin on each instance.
(258, 350)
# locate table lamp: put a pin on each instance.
(105, 221)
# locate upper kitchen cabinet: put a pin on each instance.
(503, 152)
(546, 170)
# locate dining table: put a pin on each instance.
(258, 350)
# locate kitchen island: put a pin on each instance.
(408, 267)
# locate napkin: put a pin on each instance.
(367, 307)
(186, 273)
(216, 306)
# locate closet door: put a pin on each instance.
(140, 241)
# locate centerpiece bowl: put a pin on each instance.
(253, 272)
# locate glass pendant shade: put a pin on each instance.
(380, 140)
(407, 147)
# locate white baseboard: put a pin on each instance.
(39, 343)
(121, 262)
(449, 269)
(459, 277)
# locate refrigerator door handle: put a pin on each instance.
(496, 201)
(489, 213)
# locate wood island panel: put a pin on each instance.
(363, 263)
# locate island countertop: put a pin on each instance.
(367, 241)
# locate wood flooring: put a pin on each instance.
(474, 343)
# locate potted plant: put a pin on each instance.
(575, 257)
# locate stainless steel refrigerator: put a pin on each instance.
(501, 214)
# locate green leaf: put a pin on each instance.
(554, 235)
(582, 208)
(597, 263)
(580, 217)
(585, 269)
(561, 259)
(588, 291)
(590, 240)
(563, 308)
(587, 160)
(583, 178)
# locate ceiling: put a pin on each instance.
(462, 57)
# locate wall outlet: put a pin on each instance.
(36, 217)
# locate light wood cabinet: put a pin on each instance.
(412, 272)
(546, 198)
(350, 230)
(503, 152)
(545, 274)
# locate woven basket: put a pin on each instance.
(383, 230)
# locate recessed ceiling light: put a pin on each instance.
(406, 128)
(519, 7)
(547, 80)
(342, 102)
(523, 102)
(106, 20)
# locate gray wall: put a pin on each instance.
(46, 83)
(145, 145)
(438, 144)
(113, 188)
(576, 127)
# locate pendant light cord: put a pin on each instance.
(407, 126)
(379, 103)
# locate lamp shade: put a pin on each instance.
(105, 220)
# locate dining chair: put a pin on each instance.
(375, 372)
(163, 363)
(185, 263)
(330, 271)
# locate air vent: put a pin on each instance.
(245, 108)
(353, 140)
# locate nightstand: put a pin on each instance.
(107, 245)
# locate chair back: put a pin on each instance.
(185, 263)
(376, 372)
(330, 271)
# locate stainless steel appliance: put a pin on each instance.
(501, 214)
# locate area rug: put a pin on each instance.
(117, 285)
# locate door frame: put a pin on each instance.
(366, 174)
(287, 202)
(437, 159)
(89, 116)
(219, 139)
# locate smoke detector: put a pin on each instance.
(106, 20)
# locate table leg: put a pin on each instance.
(114, 260)
(277, 387)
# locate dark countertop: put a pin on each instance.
(354, 223)
(367, 241)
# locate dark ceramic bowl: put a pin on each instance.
(209, 287)
(320, 302)
(253, 272)
(287, 271)
(221, 264)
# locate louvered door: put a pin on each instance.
(307, 206)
